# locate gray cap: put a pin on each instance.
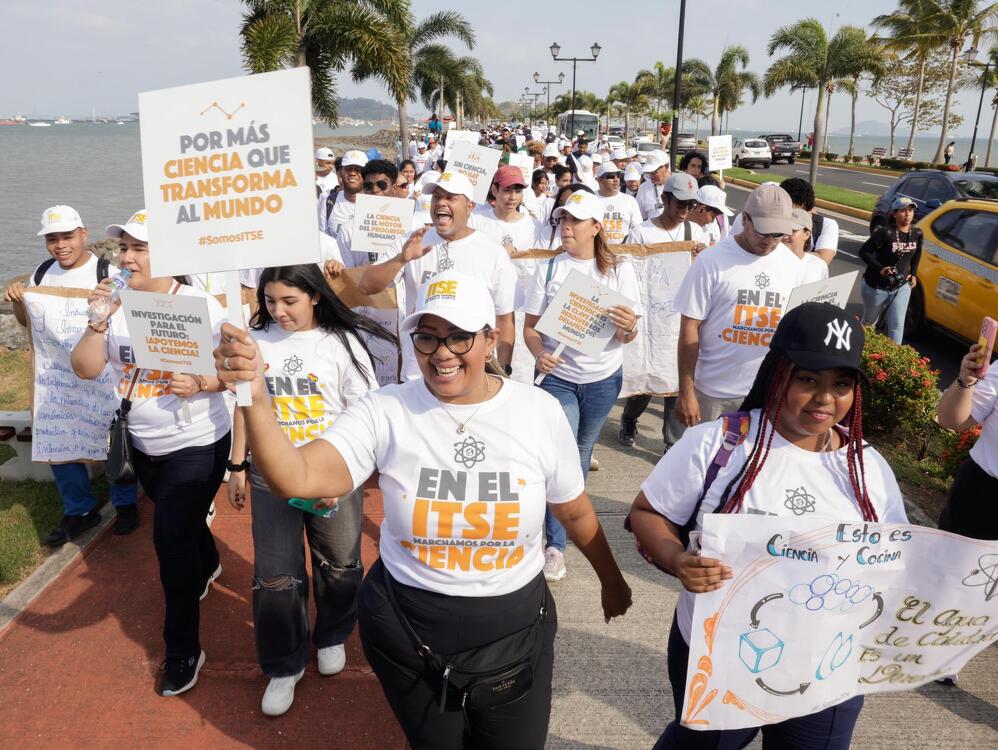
(802, 219)
(771, 210)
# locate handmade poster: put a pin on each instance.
(835, 290)
(169, 332)
(478, 163)
(455, 137)
(719, 152)
(525, 163)
(819, 611)
(70, 415)
(380, 222)
(228, 174)
(578, 315)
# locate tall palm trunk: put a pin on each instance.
(991, 138)
(852, 122)
(957, 45)
(819, 133)
(828, 112)
(715, 116)
(918, 102)
(403, 130)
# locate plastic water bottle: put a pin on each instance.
(100, 308)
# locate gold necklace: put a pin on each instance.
(460, 425)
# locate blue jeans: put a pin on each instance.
(587, 406)
(874, 301)
(73, 482)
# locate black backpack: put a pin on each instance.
(102, 266)
(817, 222)
(331, 201)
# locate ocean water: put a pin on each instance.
(94, 168)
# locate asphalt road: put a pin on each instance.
(944, 351)
(865, 182)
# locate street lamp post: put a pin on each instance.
(594, 50)
(533, 103)
(969, 56)
(679, 78)
(547, 87)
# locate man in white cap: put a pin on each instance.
(450, 244)
(619, 157)
(713, 214)
(325, 175)
(731, 301)
(73, 266)
(632, 180)
(621, 212)
(649, 197)
(551, 160)
(351, 183)
(423, 160)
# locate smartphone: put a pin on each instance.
(987, 341)
(309, 507)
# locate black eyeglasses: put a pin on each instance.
(381, 185)
(459, 342)
(689, 205)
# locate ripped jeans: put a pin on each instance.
(280, 581)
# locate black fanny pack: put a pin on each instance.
(494, 674)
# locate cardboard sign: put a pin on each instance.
(578, 315)
(169, 332)
(380, 222)
(455, 137)
(835, 290)
(819, 611)
(228, 174)
(719, 152)
(525, 163)
(478, 163)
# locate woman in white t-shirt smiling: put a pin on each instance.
(467, 464)
(798, 435)
(179, 426)
(585, 386)
(316, 364)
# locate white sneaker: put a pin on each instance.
(211, 514)
(554, 564)
(332, 659)
(279, 695)
(593, 464)
(211, 579)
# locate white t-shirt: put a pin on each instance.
(520, 234)
(328, 182)
(985, 412)
(476, 255)
(82, 277)
(464, 513)
(575, 366)
(739, 297)
(342, 213)
(423, 162)
(712, 231)
(156, 422)
(792, 481)
(649, 199)
(650, 233)
(814, 269)
(621, 214)
(311, 378)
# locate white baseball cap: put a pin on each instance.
(608, 167)
(60, 218)
(631, 152)
(585, 163)
(550, 150)
(354, 158)
(618, 153)
(597, 158)
(135, 226)
(632, 171)
(324, 153)
(455, 183)
(582, 205)
(713, 196)
(655, 159)
(682, 186)
(463, 301)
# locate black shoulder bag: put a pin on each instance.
(119, 468)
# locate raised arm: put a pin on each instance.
(381, 275)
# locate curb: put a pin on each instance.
(856, 213)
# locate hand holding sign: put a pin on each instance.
(238, 361)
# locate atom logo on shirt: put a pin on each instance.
(799, 500)
(469, 452)
(292, 365)
(762, 280)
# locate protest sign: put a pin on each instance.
(819, 611)
(383, 308)
(478, 164)
(228, 174)
(578, 315)
(455, 137)
(520, 140)
(169, 332)
(525, 163)
(835, 290)
(719, 152)
(70, 415)
(379, 222)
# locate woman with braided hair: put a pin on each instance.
(800, 452)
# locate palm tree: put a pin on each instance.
(658, 83)
(326, 36)
(959, 21)
(455, 82)
(812, 61)
(631, 96)
(991, 81)
(864, 58)
(727, 80)
(698, 107)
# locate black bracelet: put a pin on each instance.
(237, 467)
(965, 385)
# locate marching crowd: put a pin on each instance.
(483, 476)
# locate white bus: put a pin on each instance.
(574, 120)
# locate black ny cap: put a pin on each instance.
(820, 336)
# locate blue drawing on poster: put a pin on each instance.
(760, 650)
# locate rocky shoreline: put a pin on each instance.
(384, 140)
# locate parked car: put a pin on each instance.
(616, 130)
(958, 272)
(685, 142)
(782, 146)
(931, 188)
(751, 151)
(616, 141)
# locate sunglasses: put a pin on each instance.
(402, 185)
(381, 185)
(459, 342)
(686, 205)
(768, 235)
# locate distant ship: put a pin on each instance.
(63, 121)
(40, 124)
(15, 120)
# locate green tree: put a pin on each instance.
(327, 36)
(632, 96)
(458, 83)
(989, 79)
(728, 83)
(862, 57)
(698, 107)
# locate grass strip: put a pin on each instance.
(853, 198)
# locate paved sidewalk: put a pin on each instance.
(78, 666)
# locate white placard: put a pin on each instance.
(70, 416)
(228, 174)
(169, 332)
(455, 137)
(520, 140)
(478, 163)
(819, 611)
(578, 315)
(380, 222)
(835, 290)
(719, 152)
(525, 163)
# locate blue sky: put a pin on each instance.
(69, 56)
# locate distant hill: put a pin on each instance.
(366, 109)
(867, 127)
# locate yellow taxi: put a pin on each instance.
(958, 272)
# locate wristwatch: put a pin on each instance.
(237, 467)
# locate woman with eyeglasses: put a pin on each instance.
(455, 617)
